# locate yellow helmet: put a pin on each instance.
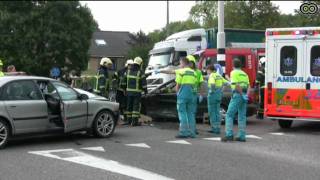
(129, 62)
(1, 63)
(104, 61)
(191, 58)
(138, 60)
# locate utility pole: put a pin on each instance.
(167, 13)
(221, 43)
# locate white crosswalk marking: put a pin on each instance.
(253, 136)
(213, 139)
(277, 133)
(101, 149)
(142, 145)
(77, 157)
(179, 142)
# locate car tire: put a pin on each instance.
(4, 133)
(104, 124)
(285, 124)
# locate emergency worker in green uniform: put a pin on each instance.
(120, 95)
(136, 83)
(186, 83)
(196, 98)
(238, 103)
(215, 84)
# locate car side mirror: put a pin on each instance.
(83, 97)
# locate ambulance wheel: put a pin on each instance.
(285, 124)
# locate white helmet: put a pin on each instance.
(262, 60)
(129, 62)
(138, 60)
(104, 61)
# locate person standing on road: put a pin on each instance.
(198, 89)
(215, 84)
(120, 94)
(186, 83)
(238, 103)
(136, 83)
(103, 76)
(260, 84)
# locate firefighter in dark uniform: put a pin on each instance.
(260, 83)
(103, 74)
(136, 84)
(120, 95)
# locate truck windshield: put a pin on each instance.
(162, 59)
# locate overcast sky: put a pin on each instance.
(149, 15)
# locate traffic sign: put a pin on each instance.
(55, 72)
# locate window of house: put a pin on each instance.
(100, 42)
(288, 61)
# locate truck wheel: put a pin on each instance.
(104, 124)
(285, 124)
(4, 133)
(223, 113)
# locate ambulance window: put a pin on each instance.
(315, 61)
(288, 61)
(242, 60)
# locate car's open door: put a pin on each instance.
(74, 110)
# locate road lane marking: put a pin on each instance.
(277, 133)
(253, 136)
(213, 139)
(101, 149)
(77, 157)
(179, 142)
(142, 145)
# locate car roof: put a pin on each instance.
(6, 79)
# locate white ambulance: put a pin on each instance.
(292, 75)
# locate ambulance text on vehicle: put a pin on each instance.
(292, 74)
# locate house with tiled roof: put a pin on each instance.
(111, 44)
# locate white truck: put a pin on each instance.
(165, 55)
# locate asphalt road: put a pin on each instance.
(145, 153)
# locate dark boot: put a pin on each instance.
(226, 139)
(240, 139)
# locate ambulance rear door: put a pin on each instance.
(312, 86)
(288, 85)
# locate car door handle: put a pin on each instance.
(13, 106)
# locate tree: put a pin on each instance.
(205, 12)
(37, 35)
(140, 46)
(238, 14)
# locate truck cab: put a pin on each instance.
(292, 75)
(165, 55)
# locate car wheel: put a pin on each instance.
(104, 124)
(4, 133)
(285, 124)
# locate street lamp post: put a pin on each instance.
(221, 57)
